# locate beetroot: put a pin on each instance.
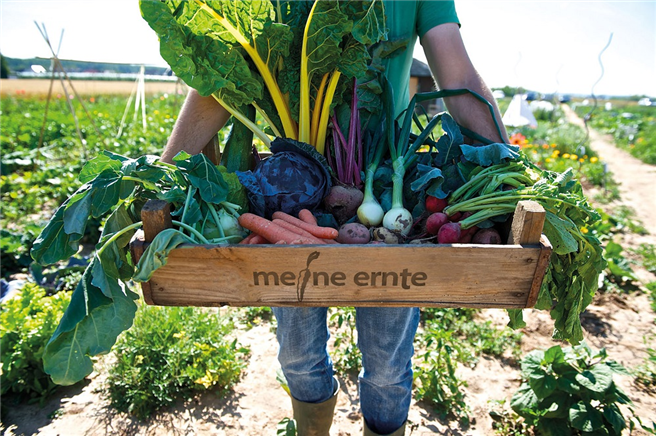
(343, 201)
(486, 236)
(434, 204)
(449, 233)
(465, 238)
(435, 221)
(353, 233)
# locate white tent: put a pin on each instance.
(519, 113)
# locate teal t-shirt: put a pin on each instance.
(407, 20)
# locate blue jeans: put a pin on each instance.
(385, 338)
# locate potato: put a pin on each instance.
(353, 233)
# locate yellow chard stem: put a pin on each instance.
(325, 112)
(288, 124)
(305, 79)
(266, 118)
(316, 113)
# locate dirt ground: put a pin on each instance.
(258, 403)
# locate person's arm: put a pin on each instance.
(199, 119)
(452, 69)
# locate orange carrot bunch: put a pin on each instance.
(286, 229)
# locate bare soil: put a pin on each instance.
(624, 325)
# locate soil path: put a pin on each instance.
(636, 179)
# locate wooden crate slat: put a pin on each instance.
(460, 275)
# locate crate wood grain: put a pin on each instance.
(427, 275)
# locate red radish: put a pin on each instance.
(465, 238)
(486, 236)
(449, 233)
(435, 221)
(434, 204)
(455, 217)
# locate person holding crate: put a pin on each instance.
(385, 334)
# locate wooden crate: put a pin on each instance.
(427, 275)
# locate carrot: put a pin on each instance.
(299, 231)
(270, 231)
(248, 239)
(319, 232)
(258, 239)
(307, 216)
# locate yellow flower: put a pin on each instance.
(584, 230)
(594, 159)
(555, 153)
(566, 156)
(178, 335)
(156, 112)
(139, 359)
(573, 157)
(553, 145)
(581, 160)
(547, 159)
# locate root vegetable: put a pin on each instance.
(270, 231)
(435, 221)
(343, 202)
(353, 233)
(385, 235)
(486, 236)
(449, 233)
(434, 204)
(319, 232)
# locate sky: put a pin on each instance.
(546, 46)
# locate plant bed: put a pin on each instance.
(426, 275)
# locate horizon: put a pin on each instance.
(542, 46)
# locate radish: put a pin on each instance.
(435, 221)
(434, 204)
(486, 236)
(449, 233)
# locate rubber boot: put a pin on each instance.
(315, 419)
(399, 432)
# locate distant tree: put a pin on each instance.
(4, 68)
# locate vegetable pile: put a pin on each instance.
(343, 170)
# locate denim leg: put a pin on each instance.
(303, 355)
(385, 338)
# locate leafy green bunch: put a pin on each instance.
(571, 392)
(285, 58)
(116, 187)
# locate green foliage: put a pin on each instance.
(505, 422)
(170, 354)
(647, 253)
(633, 128)
(286, 427)
(571, 392)
(435, 378)
(26, 323)
(346, 356)
(4, 67)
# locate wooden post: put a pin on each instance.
(212, 150)
(156, 216)
(527, 223)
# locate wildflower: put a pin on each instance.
(156, 112)
(581, 160)
(566, 156)
(518, 139)
(553, 145)
(548, 159)
(593, 159)
(545, 146)
(92, 100)
(573, 157)
(584, 230)
(555, 153)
